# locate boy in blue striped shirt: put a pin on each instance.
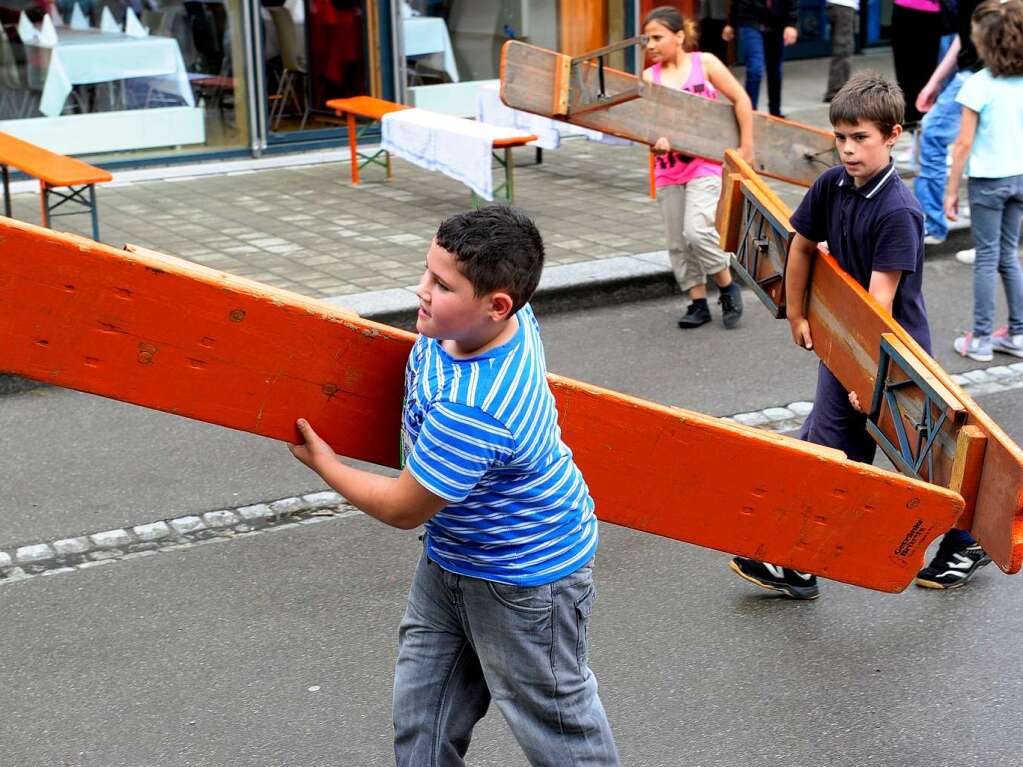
(501, 599)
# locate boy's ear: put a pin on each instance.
(893, 136)
(500, 306)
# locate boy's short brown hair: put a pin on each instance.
(497, 248)
(998, 36)
(872, 97)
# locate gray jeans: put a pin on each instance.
(843, 44)
(465, 641)
(996, 210)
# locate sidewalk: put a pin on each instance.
(304, 227)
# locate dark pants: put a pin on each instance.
(843, 44)
(916, 38)
(762, 48)
(834, 423)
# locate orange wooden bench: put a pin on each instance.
(54, 171)
(374, 109)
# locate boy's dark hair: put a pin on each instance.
(998, 36)
(872, 97)
(671, 18)
(497, 248)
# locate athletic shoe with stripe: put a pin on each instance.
(952, 567)
(784, 580)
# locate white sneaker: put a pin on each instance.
(975, 347)
(966, 256)
(1002, 342)
(931, 239)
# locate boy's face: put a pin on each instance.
(448, 306)
(863, 149)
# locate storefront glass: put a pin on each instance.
(451, 47)
(106, 77)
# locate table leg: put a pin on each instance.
(509, 175)
(92, 210)
(539, 155)
(7, 192)
(353, 148)
(44, 203)
(653, 185)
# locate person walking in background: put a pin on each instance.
(842, 20)
(688, 187)
(988, 146)
(916, 39)
(940, 125)
(765, 28)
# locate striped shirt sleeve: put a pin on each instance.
(457, 445)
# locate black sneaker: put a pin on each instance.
(698, 313)
(731, 304)
(790, 583)
(952, 567)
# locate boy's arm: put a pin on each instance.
(882, 288)
(797, 278)
(399, 502)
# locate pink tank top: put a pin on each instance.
(675, 168)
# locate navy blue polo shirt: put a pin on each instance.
(878, 227)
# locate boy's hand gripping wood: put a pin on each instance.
(928, 426)
(163, 333)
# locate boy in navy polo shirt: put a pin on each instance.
(500, 602)
(873, 226)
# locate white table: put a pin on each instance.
(428, 34)
(84, 57)
(491, 110)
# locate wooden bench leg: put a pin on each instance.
(509, 175)
(353, 143)
(92, 210)
(7, 191)
(44, 203)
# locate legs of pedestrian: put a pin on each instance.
(752, 41)
(774, 52)
(939, 129)
(842, 19)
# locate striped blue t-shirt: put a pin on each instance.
(483, 434)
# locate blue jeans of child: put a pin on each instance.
(762, 48)
(464, 642)
(996, 206)
(939, 128)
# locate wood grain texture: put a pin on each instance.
(163, 333)
(694, 125)
(846, 324)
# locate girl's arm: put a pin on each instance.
(960, 153)
(723, 80)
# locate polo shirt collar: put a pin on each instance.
(871, 188)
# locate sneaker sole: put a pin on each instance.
(926, 584)
(691, 325)
(1013, 352)
(791, 592)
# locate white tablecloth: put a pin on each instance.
(85, 57)
(429, 34)
(457, 147)
(491, 110)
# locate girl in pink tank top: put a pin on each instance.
(688, 187)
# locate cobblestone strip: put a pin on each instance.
(989, 380)
(69, 555)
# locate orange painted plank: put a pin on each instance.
(156, 331)
(846, 324)
(55, 169)
(369, 107)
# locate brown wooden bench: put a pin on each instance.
(374, 109)
(55, 173)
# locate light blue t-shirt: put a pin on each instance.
(483, 434)
(996, 149)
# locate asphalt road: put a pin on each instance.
(277, 649)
